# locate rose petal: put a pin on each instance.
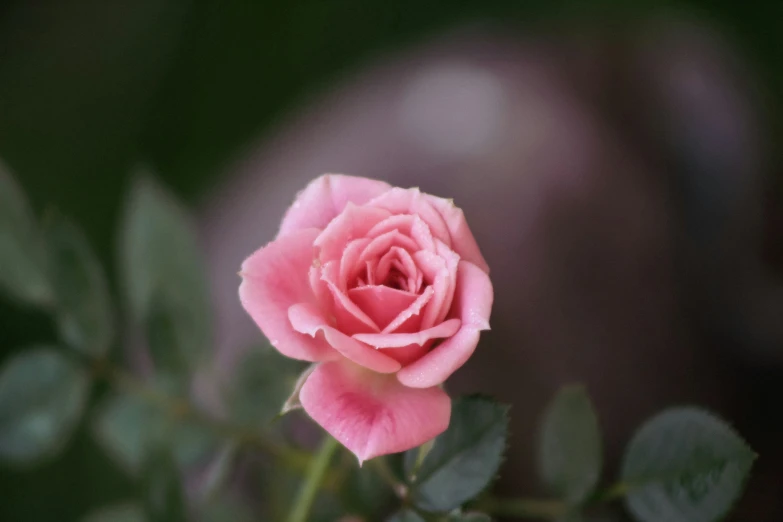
(405, 355)
(398, 258)
(409, 319)
(413, 202)
(381, 244)
(325, 197)
(381, 303)
(401, 340)
(410, 225)
(440, 277)
(371, 414)
(350, 266)
(273, 279)
(462, 240)
(452, 265)
(350, 318)
(472, 304)
(353, 222)
(307, 319)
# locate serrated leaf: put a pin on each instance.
(465, 458)
(83, 307)
(161, 488)
(22, 258)
(162, 269)
(42, 397)
(127, 426)
(570, 445)
(128, 512)
(684, 465)
(406, 515)
(263, 382)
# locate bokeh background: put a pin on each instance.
(618, 161)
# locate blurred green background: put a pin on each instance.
(88, 88)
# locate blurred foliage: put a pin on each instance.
(88, 88)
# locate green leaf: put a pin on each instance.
(465, 458)
(127, 426)
(364, 492)
(83, 307)
(470, 517)
(42, 396)
(168, 337)
(684, 465)
(570, 447)
(226, 509)
(161, 488)
(406, 515)
(163, 274)
(219, 471)
(262, 384)
(128, 512)
(22, 258)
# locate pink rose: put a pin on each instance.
(384, 287)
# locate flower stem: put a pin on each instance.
(181, 408)
(315, 475)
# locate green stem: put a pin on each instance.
(180, 408)
(315, 475)
(385, 473)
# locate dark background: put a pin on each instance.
(88, 88)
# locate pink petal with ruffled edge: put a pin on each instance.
(412, 201)
(378, 246)
(400, 340)
(409, 320)
(350, 318)
(273, 279)
(400, 259)
(472, 304)
(371, 414)
(412, 226)
(350, 267)
(353, 222)
(452, 266)
(307, 319)
(381, 303)
(462, 240)
(325, 197)
(436, 273)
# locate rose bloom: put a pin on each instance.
(387, 290)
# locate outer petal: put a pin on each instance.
(412, 201)
(308, 320)
(372, 414)
(462, 240)
(327, 196)
(472, 304)
(273, 279)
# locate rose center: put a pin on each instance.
(395, 269)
